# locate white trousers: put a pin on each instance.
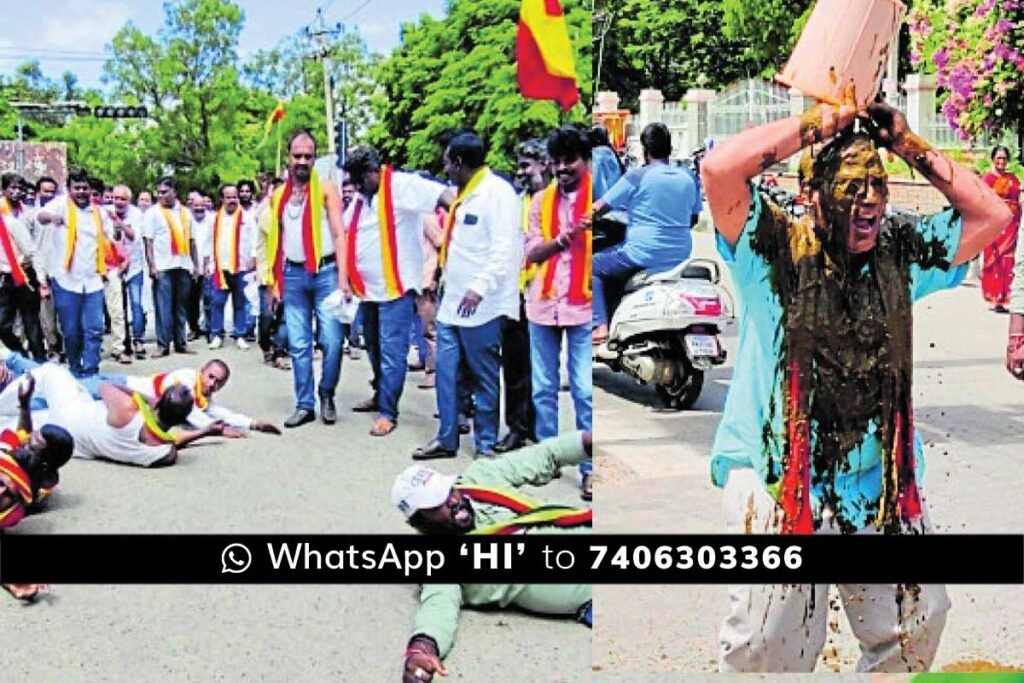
(782, 628)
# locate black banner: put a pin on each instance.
(536, 558)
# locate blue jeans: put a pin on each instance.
(81, 322)
(545, 355)
(610, 264)
(303, 297)
(172, 289)
(386, 330)
(419, 338)
(239, 306)
(134, 285)
(19, 364)
(480, 348)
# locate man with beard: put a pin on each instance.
(301, 240)
(172, 261)
(200, 292)
(533, 174)
(558, 302)
(29, 464)
(247, 201)
(77, 239)
(21, 266)
(127, 221)
(817, 432)
(384, 264)
(485, 500)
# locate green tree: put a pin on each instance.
(460, 72)
(673, 45)
(766, 30)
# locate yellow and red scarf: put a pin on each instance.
(449, 228)
(581, 248)
(388, 227)
(7, 210)
(180, 237)
(528, 512)
(160, 383)
(529, 269)
(312, 218)
(5, 242)
(219, 281)
(16, 475)
(102, 246)
(150, 420)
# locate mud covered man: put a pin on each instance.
(817, 434)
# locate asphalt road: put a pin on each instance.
(316, 479)
(652, 475)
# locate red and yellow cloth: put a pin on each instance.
(312, 220)
(388, 227)
(181, 231)
(545, 66)
(71, 241)
(219, 281)
(168, 379)
(528, 512)
(14, 478)
(17, 272)
(581, 248)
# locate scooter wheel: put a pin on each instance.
(683, 393)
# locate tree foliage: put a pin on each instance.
(460, 73)
(976, 50)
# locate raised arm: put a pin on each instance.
(727, 171)
(983, 213)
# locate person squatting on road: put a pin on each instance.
(484, 500)
(817, 433)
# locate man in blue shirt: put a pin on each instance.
(660, 200)
(604, 164)
(817, 434)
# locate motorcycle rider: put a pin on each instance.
(660, 200)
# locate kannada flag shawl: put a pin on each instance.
(581, 246)
(528, 512)
(388, 227)
(312, 220)
(12, 257)
(219, 281)
(102, 246)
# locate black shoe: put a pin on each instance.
(432, 451)
(299, 418)
(464, 427)
(416, 367)
(328, 413)
(163, 352)
(512, 441)
(370, 405)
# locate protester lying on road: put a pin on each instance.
(484, 501)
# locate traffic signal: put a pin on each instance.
(119, 112)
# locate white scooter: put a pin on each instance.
(665, 330)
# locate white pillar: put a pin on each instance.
(920, 103)
(607, 100)
(697, 113)
(651, 105)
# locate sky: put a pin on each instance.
(72, 35)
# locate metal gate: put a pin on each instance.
(744, 105)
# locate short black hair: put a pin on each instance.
(222, 365)
(44, 179)
(226, 186)
(96, 184)
(11, 178)
(174, 405)
(78, 175)
(59, 445)
(599, 137)
(360, 161)
(167, 181)
(995, 150)
(568, 143)
(245, 182)
(467, 148)
(657, 140)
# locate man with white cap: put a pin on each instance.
(484, 500)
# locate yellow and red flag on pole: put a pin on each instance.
(546, 69)
(275, 116)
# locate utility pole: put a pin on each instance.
(322, 36)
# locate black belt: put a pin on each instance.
(326, 260)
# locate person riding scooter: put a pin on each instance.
(660, 200)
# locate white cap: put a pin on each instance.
(420, 488)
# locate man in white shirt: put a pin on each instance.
(77, 239)
(479, 261)
(172, 261)
(250, 211)
(229, 258)
(199, 297)
(127, 220)
(20, 270)
(46, 191)
(115, 291)
(385, 267)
